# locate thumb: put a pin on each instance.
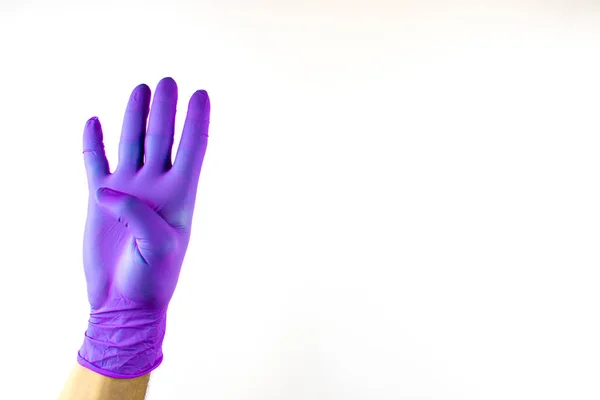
(153, 235)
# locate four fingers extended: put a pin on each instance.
(151, 148)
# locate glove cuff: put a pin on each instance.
(123, 344)
(111, 374)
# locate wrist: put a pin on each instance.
(123, 343)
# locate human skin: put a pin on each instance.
(85, 384)
(137, 231)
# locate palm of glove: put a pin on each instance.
(140, 269)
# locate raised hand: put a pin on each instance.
(138, 228)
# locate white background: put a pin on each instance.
(399, 200)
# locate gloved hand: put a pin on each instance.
(138, 228)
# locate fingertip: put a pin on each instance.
(142, 92)
(92, 134)
(99, 194)
(167, 80)
(200, 105)
(91, 121)
(167, 87)
(203, 95)
(104, 192)
(166, 93)
(142, 86)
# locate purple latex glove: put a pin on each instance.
(138, 228)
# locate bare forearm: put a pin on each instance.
(84, 384)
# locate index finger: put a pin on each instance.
(194, 138)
